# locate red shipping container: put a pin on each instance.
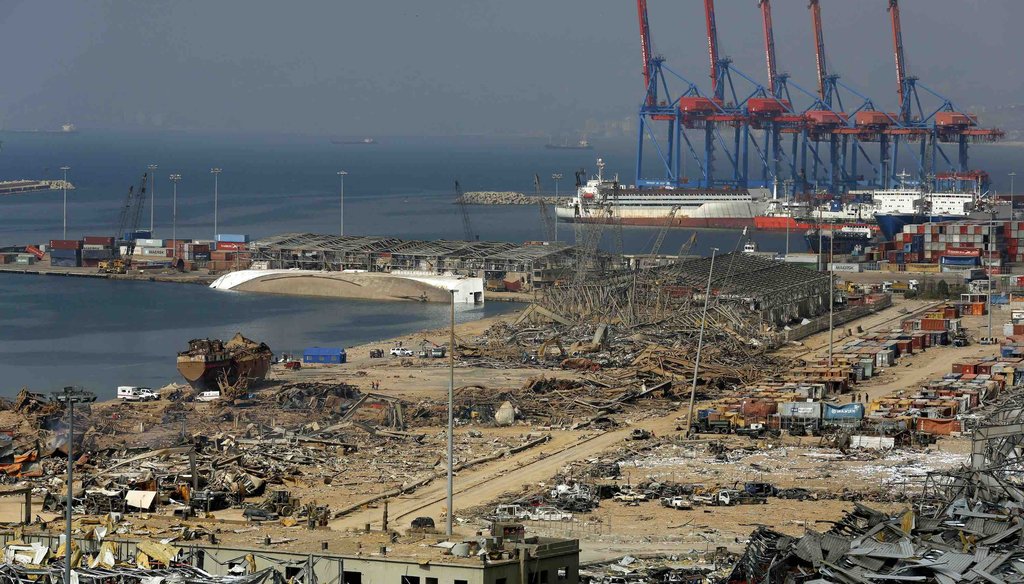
(65, 244)
(231, 246)
(933, 324)
(98, 240)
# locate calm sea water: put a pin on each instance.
(100, 334)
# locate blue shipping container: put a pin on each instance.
(65, 254)
(64, 262)
(324, 355)
(844, 412)
(233, 237)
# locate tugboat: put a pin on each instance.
(843, 241)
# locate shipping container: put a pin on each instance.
(65, 244)
(98, 240)
(854, 411)
(810, 410)
(232, 238)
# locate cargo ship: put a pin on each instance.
(581, 145)
(363, 142)
(846, 240)
(794, 216)
(213, 365)
(601, 200)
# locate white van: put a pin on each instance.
(132, 393)
(208, 396)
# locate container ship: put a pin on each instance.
(213, 365)
(605, 201)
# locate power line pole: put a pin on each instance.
(451, 420)
(342, 174)
(69, 503)
(174, 214)
(557, 177)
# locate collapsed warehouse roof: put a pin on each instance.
(312, 251)
(762, 293)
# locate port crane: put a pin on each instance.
(467, 228)
(128, 225)
(545, 212)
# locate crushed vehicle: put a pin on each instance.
(549, 514)
(681, 503)
(640, 434)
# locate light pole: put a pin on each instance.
(451, 421)
(152, 196)
(831, 288)
(174, 213)
(64, 185)
(1011, 175)
(216, 173)
(556, 177)
(342, 173)
(700, 343)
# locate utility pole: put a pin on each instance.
(174, 213)
(216, 173)
(700, 343)
(69, 502)
(342, 174)
(65, 189)
(451, 420)
(988, 252)
(556, 177)
(152, 196)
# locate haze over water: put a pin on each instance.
(57, 331)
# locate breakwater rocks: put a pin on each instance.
(507, 198)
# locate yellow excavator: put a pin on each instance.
(131, 214)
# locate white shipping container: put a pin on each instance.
(149, 242)
(838, 267)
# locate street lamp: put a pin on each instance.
(174, 213)
(152, 195)
(700, 343)
(557, 177)
(64, 186)
(216, 173)
(450, 491)
(342, 174)
(1011, 175)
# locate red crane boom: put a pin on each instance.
(819, 48)
(897, 45)
(645, 47)
(709, 16)
(769, 42)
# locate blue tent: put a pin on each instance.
(323, 355)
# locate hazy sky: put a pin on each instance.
(452, 66)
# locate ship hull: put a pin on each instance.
(842, 245)
(714, 215)
(893, 223)
(782, 223)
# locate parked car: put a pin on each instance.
(549, 514)
(681, 503)
(511, 513)
(629, 496)
(401, 352)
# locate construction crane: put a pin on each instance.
(545, 213)
(660, 240)
(467, 228)
(128, 224)
(684, 249)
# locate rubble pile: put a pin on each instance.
(965, 527)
